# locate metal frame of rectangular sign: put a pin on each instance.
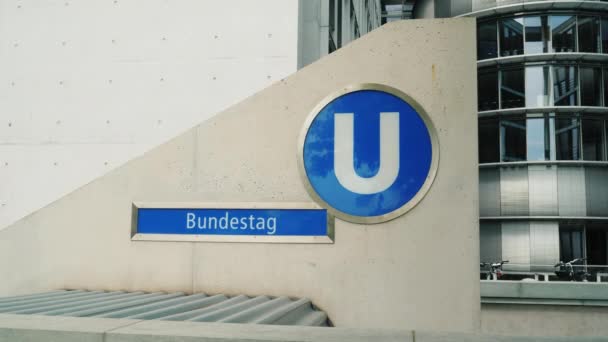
(328, 239)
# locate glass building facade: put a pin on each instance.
(543, 130)
(542, 86)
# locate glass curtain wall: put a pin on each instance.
(563, 33)
(539, 34)
(543, 137)
(536, 86)
(588, 34)
(536, 110)
(565, 86)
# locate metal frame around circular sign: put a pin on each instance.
(423, 189)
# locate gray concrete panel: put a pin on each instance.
(31, 328)
(544, 245)
(516, 245)
(571, 191)
(514, 191)
(490, 242)
(542, 187)
(596, 180)
(544, 290)
(489, 192)
(571, 322)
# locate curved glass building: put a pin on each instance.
(543, 112)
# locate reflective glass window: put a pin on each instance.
(537, 86)
(488, 141)
(591, 88)
(565, 86)
(570, 242)
(593, 139)
(511, 37)
(604, 35)
(487, 89)
(597, 245)
(538, 138)
(588, 34)
(487, 40)
(567, 138)
(537, 35)
(513, 139)
(512, 88)
(563, 32)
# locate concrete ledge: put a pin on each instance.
(537, 301)
(161, 331)
(31, 328)
(587, 293)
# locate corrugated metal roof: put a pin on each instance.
(168, 306)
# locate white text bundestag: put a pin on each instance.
(268, 224)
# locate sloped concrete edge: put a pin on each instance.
(31, 328)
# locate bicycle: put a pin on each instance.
(566, 271)
(495, 271)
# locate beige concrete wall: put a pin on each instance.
(417, 271)
(544, 320)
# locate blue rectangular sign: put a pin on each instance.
(241, 221)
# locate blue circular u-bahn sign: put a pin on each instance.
(368, 153)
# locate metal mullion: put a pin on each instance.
(580, 136)
(498, 50)
(576, 33)
(604, 140)
(578, 84)
(599, 34)
(523, 36)
(584, 238)
(550, 85)
(501, 144)
(499, 72)
(566, 129)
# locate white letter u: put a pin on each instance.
(344, 165)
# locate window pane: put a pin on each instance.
(605, 35)
(537, 35)
(565, 86)
(511, 37)
(537, 86)
(593, 141)
(588, 34)
(488, 141)
(487, 90)
(597, 251)
(590, 87)
(513, 135)
(537, 139)
(512, 88)
(563, 32)
(570, 242)
(487, 44)
(567, 138)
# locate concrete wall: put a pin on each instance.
(544, 320)
(417, 271)
(84, 87)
